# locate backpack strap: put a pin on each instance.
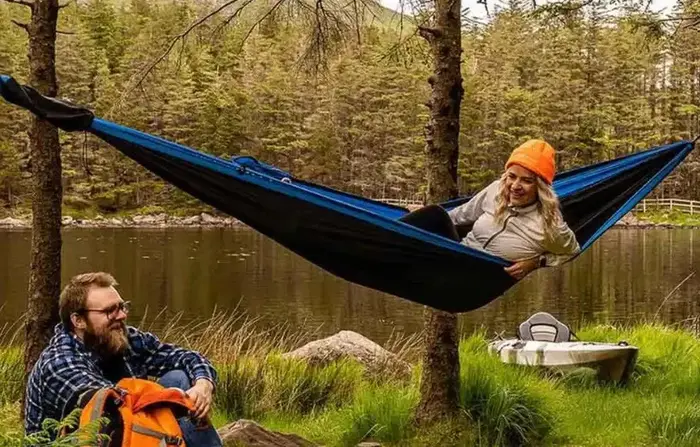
(95, 407)
(165, 440)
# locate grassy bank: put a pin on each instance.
(670, 217)
(341, 405)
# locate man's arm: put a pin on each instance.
(159, 358)
(64, 383)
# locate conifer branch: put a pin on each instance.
(428, 33)
(230, 18)
(262, 19)
(24, 26)
(22, 2)
(182, 36)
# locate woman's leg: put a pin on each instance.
(432, 218)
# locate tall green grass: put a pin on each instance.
(508, 406)
(383, 413)
(379, 412)
(252, 386)
(340, 404)
(11, 374)
(674, 425)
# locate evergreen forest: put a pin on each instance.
(597, 81)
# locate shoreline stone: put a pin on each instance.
(206, 220)
(349, 344)
(245, 432)
(161, 220)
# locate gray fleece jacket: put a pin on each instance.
(520, 236)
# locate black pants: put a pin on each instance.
(433, 218)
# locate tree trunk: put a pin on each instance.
(45, 258)
(440, 380)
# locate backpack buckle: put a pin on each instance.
(173, 440)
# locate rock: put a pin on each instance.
(114, 222)
(12, 222)
(353, 345)
(144, 220)
(208, 219)
(248, 433)
(67, 220)
(630, 219)
(369, 444)
(194, 220)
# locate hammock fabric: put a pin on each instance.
(358, 239)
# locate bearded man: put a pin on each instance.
(93, 348)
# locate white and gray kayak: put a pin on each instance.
(614, 362)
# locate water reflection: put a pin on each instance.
(624, 277)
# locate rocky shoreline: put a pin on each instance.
(204, 220)
(138, 221)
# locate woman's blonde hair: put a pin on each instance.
(547, 203)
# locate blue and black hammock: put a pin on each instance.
(358, 239)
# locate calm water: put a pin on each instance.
(625, 276)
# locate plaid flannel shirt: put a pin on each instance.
(66, 370)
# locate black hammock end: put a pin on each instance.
(61, 114)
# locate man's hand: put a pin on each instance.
(201, 395)
(522, 268)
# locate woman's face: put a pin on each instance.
(521, 184)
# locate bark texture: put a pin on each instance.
(440, 379)
(45, 258)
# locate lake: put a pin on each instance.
(623, 278)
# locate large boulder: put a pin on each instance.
(349, 344)
(245, 433)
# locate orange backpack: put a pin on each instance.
(145, 411)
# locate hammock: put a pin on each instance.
(361, 240)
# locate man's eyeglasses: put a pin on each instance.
(113, 311)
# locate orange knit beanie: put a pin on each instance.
(537, 156)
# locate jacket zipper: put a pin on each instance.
(493, 236)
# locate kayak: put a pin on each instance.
(613, 362)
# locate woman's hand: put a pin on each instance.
(521, 268)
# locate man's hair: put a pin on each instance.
(75, 294)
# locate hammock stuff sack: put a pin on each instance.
(361, 240)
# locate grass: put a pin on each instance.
(678, 425)
(341, 404)
(508, 406)
(671, 217)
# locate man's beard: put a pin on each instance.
(110, 342)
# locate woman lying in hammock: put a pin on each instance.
(516, 217)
